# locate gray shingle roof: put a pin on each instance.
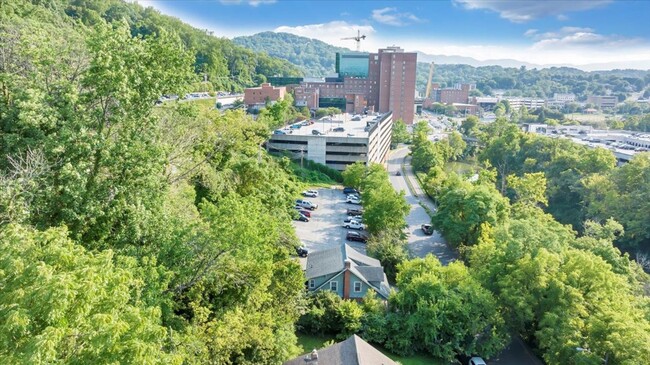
(359, 258)
(324, 262)
(371, 273)
(353, 351)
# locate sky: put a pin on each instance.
(615, 33)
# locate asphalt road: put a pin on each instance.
(419, 244)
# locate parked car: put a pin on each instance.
(356, 236)
(316, 132)
(302, 218)
(427, 229)
(339, 129)
(348, 190)
(398, 173)
(353, 218)
(279, 131)
(353, 200)
(302, 211)
(354, 225)
(295, 126)
(476, 361)
(302, 252)
(310, 193)
(306, 204)
(354, 211)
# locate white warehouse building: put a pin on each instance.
(338, 142)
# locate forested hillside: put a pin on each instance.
(225, 65)
(316, 58)
(134, 234)
(313, 57)
(540, 83)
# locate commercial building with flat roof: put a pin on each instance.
(339, 141)
(259, 96)
(603, 101)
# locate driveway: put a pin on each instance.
(325, 228)
(419, 244)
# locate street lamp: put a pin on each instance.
(605, 360)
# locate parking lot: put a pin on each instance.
(325, 228)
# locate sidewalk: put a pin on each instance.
(414, 185)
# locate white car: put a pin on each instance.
(354, 225)
(353, 200)
(310, 193)
(476, 361)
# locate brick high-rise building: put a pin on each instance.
(391, 72)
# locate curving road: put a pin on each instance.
(516, 353)
(419, 244)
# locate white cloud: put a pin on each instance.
(520, 11)
(390, 16)
(249, 2)
(332, 33)
(578, 38)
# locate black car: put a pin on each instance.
(301, 217)
(356, 236)
(348, 190)
(302, 252)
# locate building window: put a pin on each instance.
(357, 286)
(334, 286)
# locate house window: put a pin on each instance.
(312, 284)
(334, 286)
(357, 286)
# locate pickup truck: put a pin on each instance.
(354, 225)
(306, 204)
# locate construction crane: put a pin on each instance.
(428, 92)
(358, 39)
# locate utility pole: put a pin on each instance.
(302, 154)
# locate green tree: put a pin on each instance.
(61, 303)
(444, 311)
(400, 133)
(354, 174)
(389, 247)
(469, 125)
(464, 209)
(530, 189)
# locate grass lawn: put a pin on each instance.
(310, 342)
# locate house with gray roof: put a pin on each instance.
(347, 272)
(353, 351)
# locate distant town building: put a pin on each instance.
(603, 101)
(560, 100)
(375, 82)
(337, 143)
(530, 103)
(458, 94)
(259, 96)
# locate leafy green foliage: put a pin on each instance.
(444, 311)
(400, 133)
(354, 174)
(464, 210)
(62, 303)
(389, 247)
(620, 193)
(178, 223)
